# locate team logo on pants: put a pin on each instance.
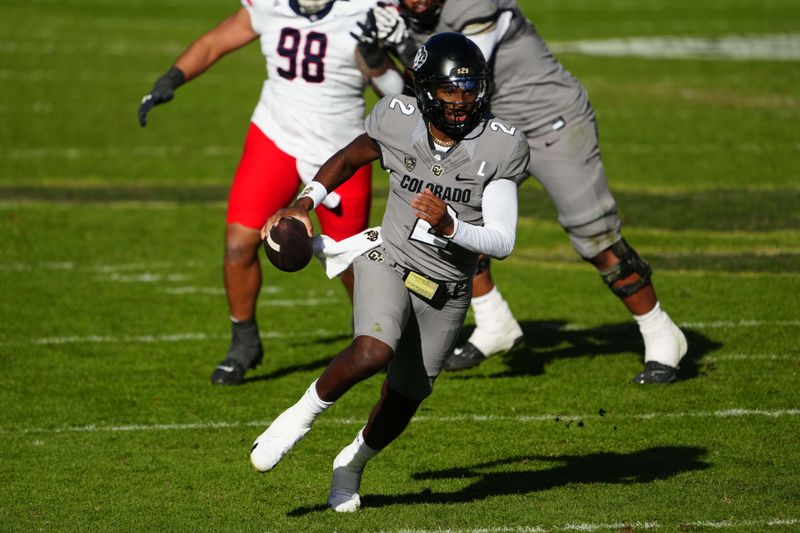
(411, 162)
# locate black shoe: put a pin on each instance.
(656, 373)
(467, 356)
(464, 357)
(231, 371)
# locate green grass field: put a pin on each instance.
(112, 313)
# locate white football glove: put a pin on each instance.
(391, 26)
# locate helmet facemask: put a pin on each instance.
(454, 104)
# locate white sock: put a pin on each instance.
(347, 470)
(495, 326)
(312, 401)
(664, 342)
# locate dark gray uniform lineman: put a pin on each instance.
(533, 91)
(383, 304)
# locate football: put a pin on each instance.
(288, 245)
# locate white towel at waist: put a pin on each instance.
(337, 256)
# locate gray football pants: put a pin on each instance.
(420, 335)
(567, 163)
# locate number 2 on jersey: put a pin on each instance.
(312, 64)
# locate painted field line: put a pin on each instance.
(166, 338)
(752, 356)
(196, 336)
(101, 268)
(718, 324)
(618, 526)
(777, 47)
(476, 419)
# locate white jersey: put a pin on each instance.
(311, 104)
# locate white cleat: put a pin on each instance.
(280, 437)
(343, 496)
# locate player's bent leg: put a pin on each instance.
(287, 430)
(242, 273)
(496, 330)
(629, 278)
(388, 419)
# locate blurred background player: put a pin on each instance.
(310, 106)
(452, 196)
(533, 91)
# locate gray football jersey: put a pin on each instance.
(531, 88)
(492, 151)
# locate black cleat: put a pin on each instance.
(469, 355)
(464, 357)
(228, 372)
(231, 371)
(656, 373)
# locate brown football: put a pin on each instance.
(288, 245)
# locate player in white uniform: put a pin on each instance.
(452, 196)
(533, 91)
(310, 106)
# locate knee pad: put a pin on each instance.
(629, 263)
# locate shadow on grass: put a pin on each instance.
(549, 340)
(306, 367)
(525, 475)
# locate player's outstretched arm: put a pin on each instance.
(231, 34)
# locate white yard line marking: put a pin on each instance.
(725, 413)
(753, 356)
(174, 337)
(719, 324)
(178, 337)
(619, 526)
(776, 47)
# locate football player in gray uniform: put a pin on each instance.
(533, 91)
(452, 197)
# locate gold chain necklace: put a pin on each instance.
(443, 144)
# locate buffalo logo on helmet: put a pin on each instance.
(420, 58)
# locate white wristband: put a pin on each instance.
(316, 191)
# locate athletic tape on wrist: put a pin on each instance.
(316, 191)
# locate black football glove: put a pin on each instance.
(368, 43)
(163, 91)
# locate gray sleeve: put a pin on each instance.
(458, 15)
(517, 167)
